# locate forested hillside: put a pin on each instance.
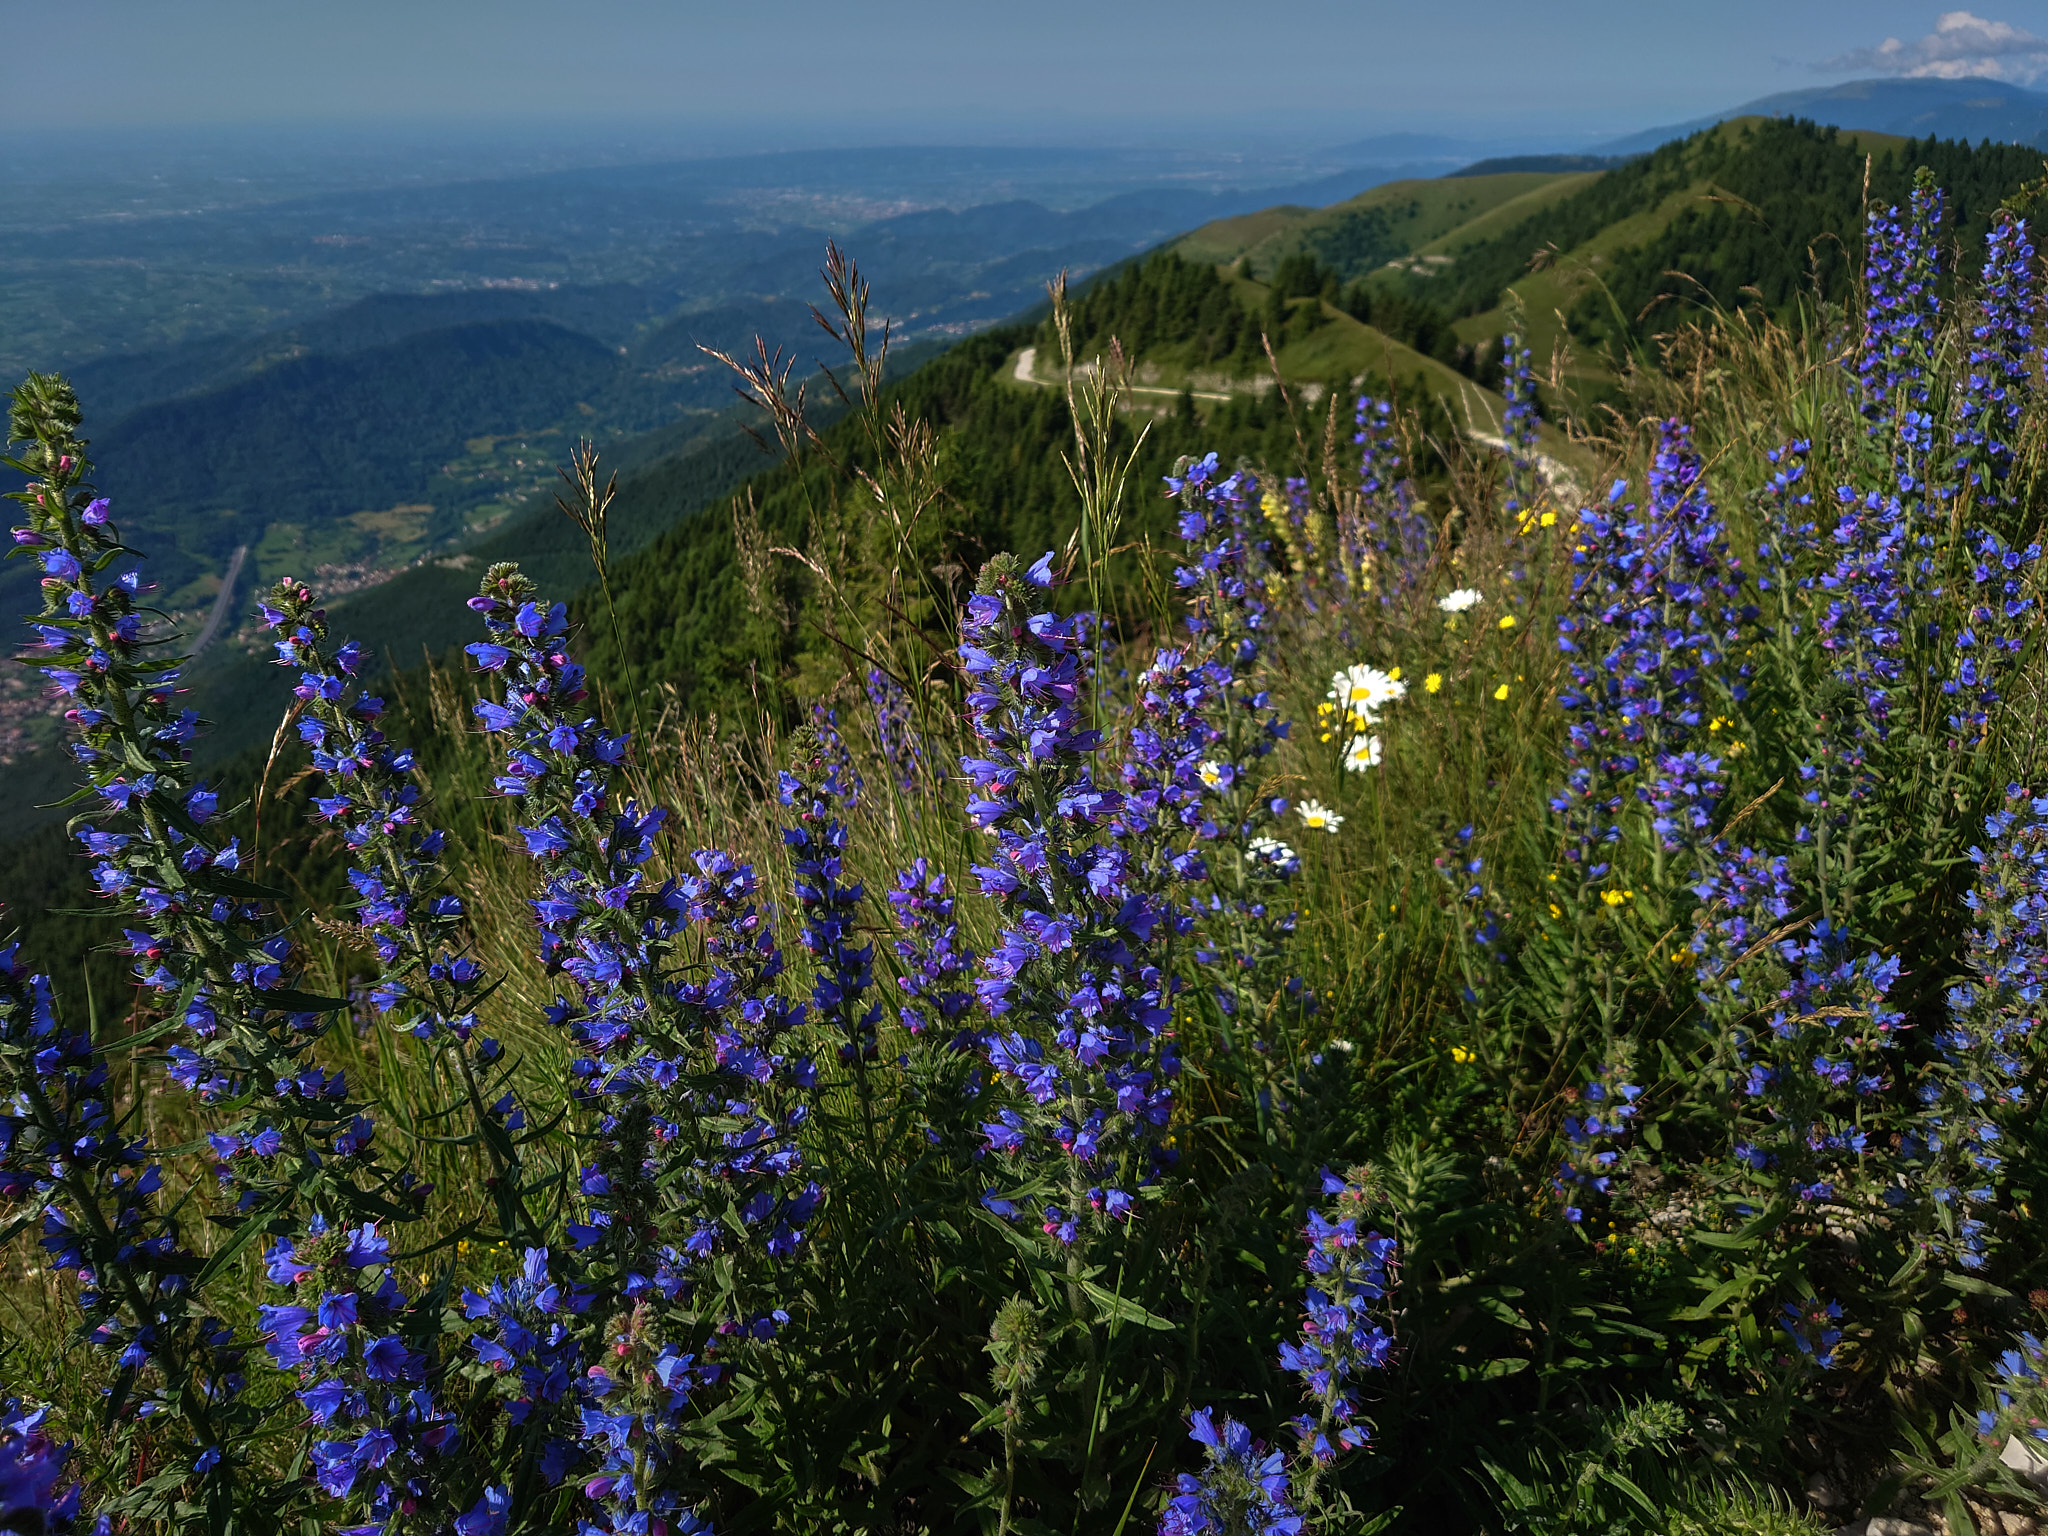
(1753, 211)
(730, 637)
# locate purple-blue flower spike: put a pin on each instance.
(1081, 1007)
(897, 735)
(1902, 307)
(64, 1147)
(527, 1336)
(1518, 426)
(1243, 1486)
(639, 1398)
(1341, 1337)
(347, 1339)
(815, 789)
(209, 944)
(1805, 1058)
(1987, 1039)
(1593, 1136)
(1656, 610)
(1196, 762)
(699, 1098)
(428, 983)
(1395, 529)
(1999, 372)
(663, 1052)
(936, 974)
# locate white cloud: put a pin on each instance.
(1961, 46)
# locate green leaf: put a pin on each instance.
(1123, 1309)
(1719, 1294)
(1499, 1310)
(220, 883)
(1970, 1285)
(1617, 1480)
(245, 1234)
(290, 1000)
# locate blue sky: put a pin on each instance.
(968, 70)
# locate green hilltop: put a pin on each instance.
(1387, 223)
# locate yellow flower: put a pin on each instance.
(1507, 621)
(1547, 519)
(1433, 682)
(1460, 1055)
(1616, 898)
(1501, 692)
(1394, 673)
(1556, 910)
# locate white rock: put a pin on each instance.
(2021, 1456)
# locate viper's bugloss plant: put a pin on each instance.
(1987, 1045)
(71, 1155)
(429, 983)
(1697, 1110)
(1218, 726)
(1519, 420)
(1080, 1006)
(1395, 537)
(1242, 1491)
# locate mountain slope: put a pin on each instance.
(1760, 211)
(1970, 110)
(1364, 233)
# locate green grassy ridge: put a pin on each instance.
(1194, 326)
(1763, 208)
(1362, 234)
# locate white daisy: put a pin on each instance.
(1318, 817)
(1211, 774)
(1460, 600)
(1272, 850)
(1361, 690)
(1363, 753)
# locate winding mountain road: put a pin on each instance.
(222, 601)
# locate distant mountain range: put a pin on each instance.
(1971, 110)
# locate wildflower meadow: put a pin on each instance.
(1334, 1000)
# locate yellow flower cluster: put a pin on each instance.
(1616, 898)
(1722, 723)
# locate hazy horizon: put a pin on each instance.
(1208, 74)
